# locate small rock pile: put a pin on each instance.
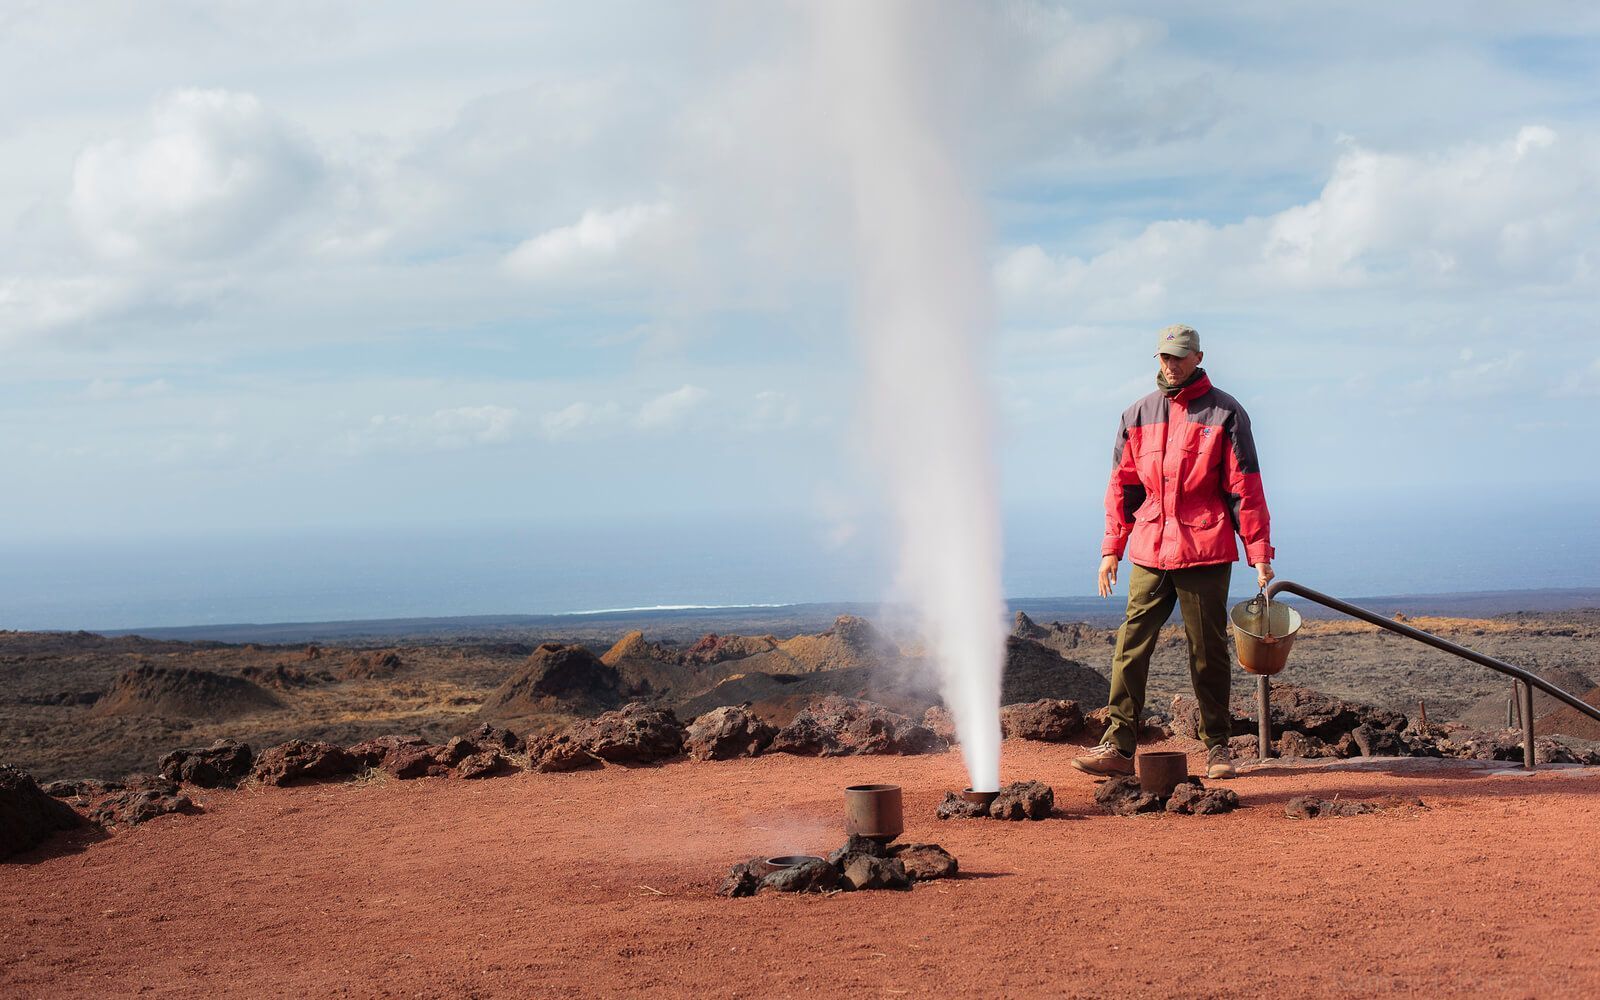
(223, 764)
(1048, 720)
(142, 799)
(860, 864)
(1314, 725)
(1124, 797)
(634, 734)
(834, 726)
(1017, 801)
(1311, 807)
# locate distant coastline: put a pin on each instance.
(680, 621)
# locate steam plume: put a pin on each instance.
(924, 308)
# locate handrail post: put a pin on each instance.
(1526, 691)
(1264, 713)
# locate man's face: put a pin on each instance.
(1178, 369)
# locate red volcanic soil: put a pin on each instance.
(602, 883)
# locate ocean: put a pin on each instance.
(1346, 548)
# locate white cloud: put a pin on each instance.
(577, 418)
(670, 408)
(214, 173)
(595, 239)
(1518, 213)
(452, 429)
(774, 410)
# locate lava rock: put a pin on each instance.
(924, 862)
(813, 876)
(374, 752)
(956, 807)
(1191, 797)
(1302, 745)
(1124, 797)
(560, 753)
(459, 749)
(223, 764)
(1293, 708)
(303, 760)
(1311, 807)
(856, 846)
(29, 816)
(1151, 726)
(834, 726)
(145, 798)
(1050, 720)
(484, 764)
(487, 737)
(938, 719)
(866, 872)
(416, 761)
(634, 734)
(727, 732)
(80, 789)
(1374, 742)
(1023, 800)
(743, 879)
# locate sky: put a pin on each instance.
(283, 269)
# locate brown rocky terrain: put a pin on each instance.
(80, 705)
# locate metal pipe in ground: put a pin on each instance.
(1264, 714)
(1527, 724)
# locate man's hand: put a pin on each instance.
(1264, 574)
(1108, 575)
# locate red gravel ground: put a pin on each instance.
(602, 884)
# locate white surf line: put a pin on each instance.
(668, 607)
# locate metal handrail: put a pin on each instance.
(1528, 680)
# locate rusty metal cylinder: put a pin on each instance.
(874, 812)
(781, 862)
(1160, 771)
(984, 799)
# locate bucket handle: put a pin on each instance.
(1266, 616)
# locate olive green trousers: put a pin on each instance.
(1202, 593)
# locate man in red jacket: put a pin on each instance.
(1184, 480)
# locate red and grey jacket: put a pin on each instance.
(1184, 479)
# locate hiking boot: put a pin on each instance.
(1219, 763)
(1104, 761)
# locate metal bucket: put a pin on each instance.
(1264, 633)
(874, 812)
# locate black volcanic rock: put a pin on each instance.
(29, 817)
(1034, 671)
(556, 678)
(221, 765)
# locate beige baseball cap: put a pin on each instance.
(1178, 340)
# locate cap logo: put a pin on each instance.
(1172, 336)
